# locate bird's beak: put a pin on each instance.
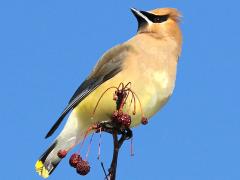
(141, 18)
(136, 12)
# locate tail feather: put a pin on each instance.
(71, 135)
(45, 167)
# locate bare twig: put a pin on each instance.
(113, 168)
(106, 176)
(114, 130)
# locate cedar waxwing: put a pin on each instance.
(148, 60)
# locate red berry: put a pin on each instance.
(125, 120)
(83, 167)
(116, 115)
(74, 160)
(121, 118)
(62, 153)
(115, 97)
(144, 120)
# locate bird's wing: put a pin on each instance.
(108, 66)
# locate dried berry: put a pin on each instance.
(144, 120)
(121, 118)
(62, 153)
(83, 167)
(115, 97)
(125, 120)
(74, 160)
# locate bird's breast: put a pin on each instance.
(152, 80)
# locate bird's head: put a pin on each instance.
(159, 22)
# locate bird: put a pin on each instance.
(148, 60)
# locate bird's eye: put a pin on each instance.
(160, 19)
(157, 19)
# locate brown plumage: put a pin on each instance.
(148, 60)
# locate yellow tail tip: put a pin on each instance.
(41, 170)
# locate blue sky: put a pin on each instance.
(47, 48)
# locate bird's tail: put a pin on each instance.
(48, 161)
(68, 138)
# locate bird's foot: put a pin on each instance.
(110, 127)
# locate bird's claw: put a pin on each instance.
(109, 127)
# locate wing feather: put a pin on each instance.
(108, 66)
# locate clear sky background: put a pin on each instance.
(47, 48)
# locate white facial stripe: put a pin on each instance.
(143, 16)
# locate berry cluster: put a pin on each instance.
(122, 119)
(82, 166)
(76, 161)
(122, 93)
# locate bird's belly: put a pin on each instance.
(152, 97)
(153, 91)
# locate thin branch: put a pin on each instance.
(106, 176)
(113, 168)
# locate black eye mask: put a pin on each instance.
(155, 18)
